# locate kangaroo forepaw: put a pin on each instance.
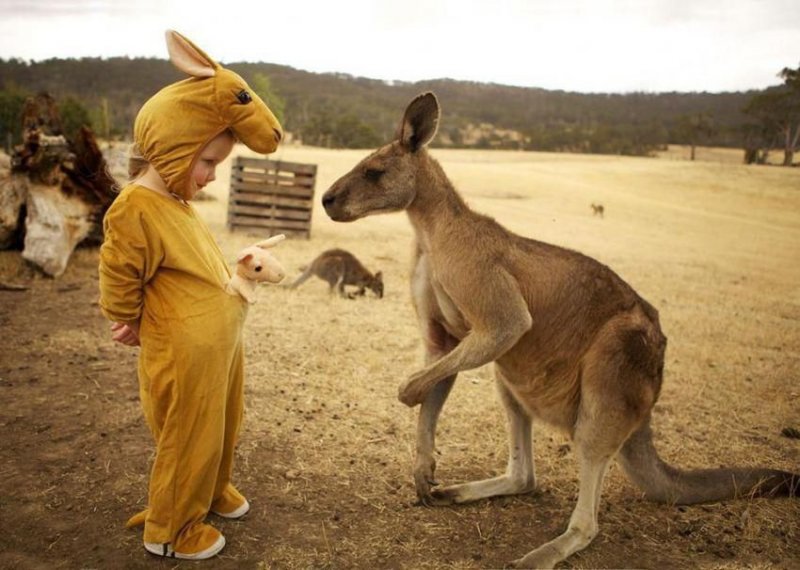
(409, 394)
(424, 481)
(427, 494)
(436, 498)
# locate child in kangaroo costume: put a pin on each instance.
(163, 284)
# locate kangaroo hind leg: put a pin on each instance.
(616, 395)
(583, 523)
(519, 476)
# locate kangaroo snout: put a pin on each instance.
(333, 201)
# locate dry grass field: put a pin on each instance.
(326, 451)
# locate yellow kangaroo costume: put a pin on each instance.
(160, 266)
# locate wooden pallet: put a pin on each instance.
(271, 197)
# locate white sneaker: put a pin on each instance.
(243, 509)
(166, 550)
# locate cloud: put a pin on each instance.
(72, 8)
(583, 45)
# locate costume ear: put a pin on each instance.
(271, 242)
(420, 122)
(244, 257)
(188, 57)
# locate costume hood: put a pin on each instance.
(178, 121)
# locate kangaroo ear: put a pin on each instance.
(271, 242)
(379, 276)
(188, 57)
(420, 122)
(244, 257)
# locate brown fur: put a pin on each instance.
(340, 268)
(573, 344)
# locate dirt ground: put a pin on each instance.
(326, 452)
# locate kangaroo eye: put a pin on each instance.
(244, 97)
(258, 268)
(373, 174)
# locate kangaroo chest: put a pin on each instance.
(452, 318)
(433, 301)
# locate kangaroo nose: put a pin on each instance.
(328, 200)
(278, 135)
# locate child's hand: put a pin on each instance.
(127, 334)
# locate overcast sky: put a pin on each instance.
(574, 45)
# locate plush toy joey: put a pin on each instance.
(256, 265)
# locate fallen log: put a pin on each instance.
(13, 193)
(55, 224)
(56, 191)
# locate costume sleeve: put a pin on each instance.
(129, 257)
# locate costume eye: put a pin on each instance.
(258, 268)
(244, 97)
(373, 174)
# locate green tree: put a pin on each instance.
(352, 132)
(791, 82)
(73, 116)
(12, 100)
(263, 87)
(778, 110)
(456, 137)
(695, 129)
(758, 139)
(331, 129)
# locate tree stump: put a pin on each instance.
(64, 185)
(13, 191)
(55, 224)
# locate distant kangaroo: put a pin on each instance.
(598, 210)
(573, 344)
(339, 268)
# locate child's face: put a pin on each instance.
(213, 153)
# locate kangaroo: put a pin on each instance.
(598, 210)
(339, 268)
(573, 344)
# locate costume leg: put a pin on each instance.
(226, 497)
(184, 386)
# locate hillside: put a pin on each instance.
(340, 110)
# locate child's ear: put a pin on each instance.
(188, 57)
(244, 257)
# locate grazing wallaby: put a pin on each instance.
(573, 344)
(598, 210)
(339, 268)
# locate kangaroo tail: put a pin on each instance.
(666, 484)
(302, 278)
